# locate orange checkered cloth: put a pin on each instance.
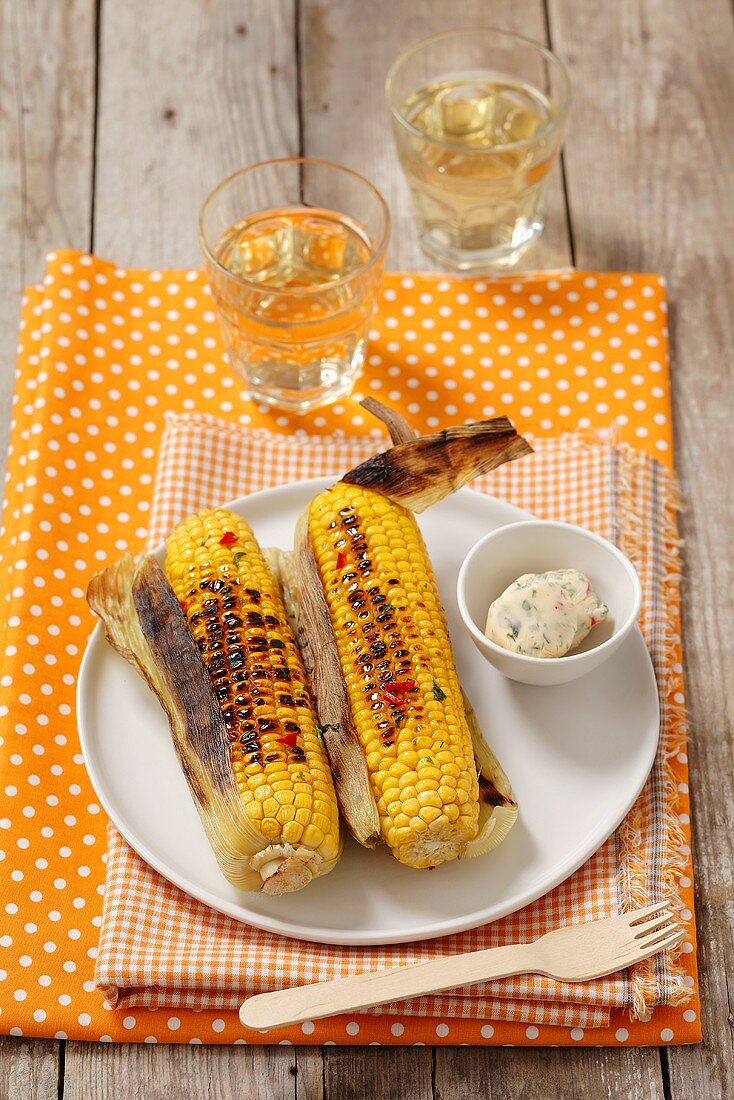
(160, 948)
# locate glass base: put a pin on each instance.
(434, 243)
(301, 388)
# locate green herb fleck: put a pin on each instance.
(236, 557)
(299, 775)
(438, 693)
(399, 718)
(526, 605)
(426, 760)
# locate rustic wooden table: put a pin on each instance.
(115, 120)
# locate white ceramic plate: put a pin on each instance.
(577, 756)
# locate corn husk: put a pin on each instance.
(145, 624)
(498, 810)
(321, 659)
(420, 471)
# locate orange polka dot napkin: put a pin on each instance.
(104, 355)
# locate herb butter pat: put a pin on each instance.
(545, 614)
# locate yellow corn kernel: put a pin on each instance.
(292, 832)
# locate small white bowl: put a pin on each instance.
(537, 546)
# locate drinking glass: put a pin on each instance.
(294, 250)
(478, 118)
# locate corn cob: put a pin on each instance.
(145, 624)
(404, 694)
(498, 809)
(236, 615)
(363, 597)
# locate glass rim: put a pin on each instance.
(555, 122)
(376, 254)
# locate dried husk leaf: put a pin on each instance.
(137, 606)
(498, 810)
(424, 470)
(145, 624)
(396, 424)
(304, 597)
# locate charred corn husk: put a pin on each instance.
(404, 694)
(144, 623)
(303, 591)
(422, 471)
(236, 615)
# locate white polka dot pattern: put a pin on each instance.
(104, 355)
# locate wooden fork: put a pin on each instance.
(571, 954)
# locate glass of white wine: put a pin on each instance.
(478, 118)
(294, 250)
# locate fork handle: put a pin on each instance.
(312, 1002)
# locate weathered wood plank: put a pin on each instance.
(310, 1076)
(189, 92)
(141, 1070)
(346, 51)
(387, 1073)
(46, 129)
(29, 1068)
(585, 1074)
(650, 161)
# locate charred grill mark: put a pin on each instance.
(246, 660)
(424, 470)
(489, 794)
(166, 631)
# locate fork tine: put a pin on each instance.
(666, 938)
(637, 916)
(642, 931)
(665, 944)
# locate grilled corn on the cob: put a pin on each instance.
(404, 694)
(236, 615)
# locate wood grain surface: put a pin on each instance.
(664, 129)
(47, 98)
(116, 118)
